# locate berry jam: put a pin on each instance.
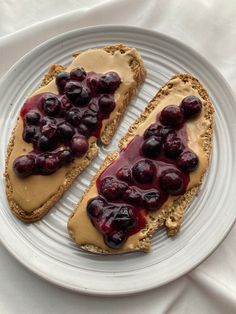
(59, 126)
(148, 170)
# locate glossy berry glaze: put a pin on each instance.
(59, 126)
(148, 170)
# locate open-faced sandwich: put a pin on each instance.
(56, 133)
(155, 176)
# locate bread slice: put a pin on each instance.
(134, 63)
(170, 215)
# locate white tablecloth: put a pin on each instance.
(206, 25)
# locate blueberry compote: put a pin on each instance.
(148, 170)
(59, 126)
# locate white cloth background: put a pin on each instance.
(206, 25)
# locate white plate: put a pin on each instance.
(45, 248)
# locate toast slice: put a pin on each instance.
(170, 214)
(30, 198)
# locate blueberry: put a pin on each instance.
(93, 107)
(74, 116)
(51, 105)
(153, 130)
(109, 82)
(65, 156)
(65, 104)
(124, 174)
(66, 131)
(49, 130)
(116, 240)
(44, 143)
(112, 189)
(172, 116)
(79, 145)
(173, 146)
(144, 171)
(61, 80)
(32, 117)
(78, 74)
(47, 163)
(171, 181)
(123, 219)
(152, 146)
(151, 200)
(107, 103)
(84, 97)
(84, 129)
(93, 83)
(132, 196)
(165, 131)
(95, 207)
(77, 94)
(90, 120)
(188, 161)
(73, 90)
(29, 133)
(191, 106)
(24, 165)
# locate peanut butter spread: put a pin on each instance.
(33, 191)
(80, 225)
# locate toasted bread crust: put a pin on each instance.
(170, 216)
(139, 72)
